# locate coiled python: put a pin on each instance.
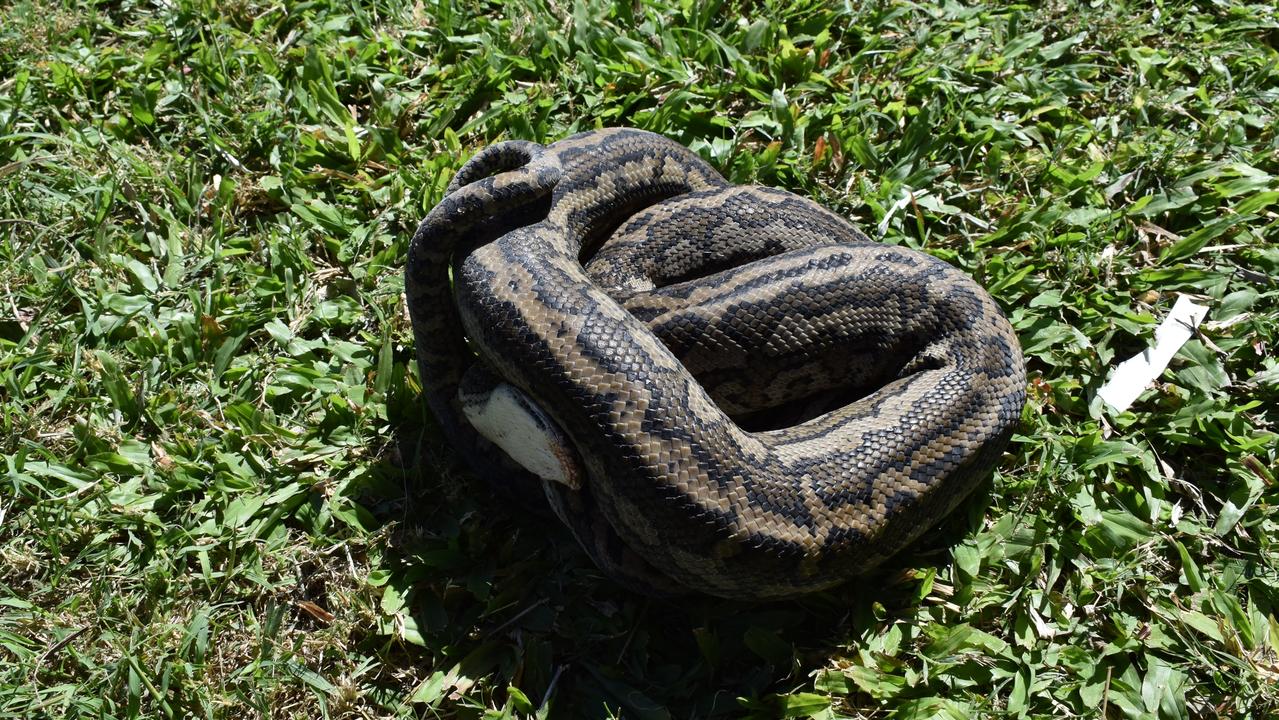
(718, 387)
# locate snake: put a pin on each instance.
(718, 388)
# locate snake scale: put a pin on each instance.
(720, 388)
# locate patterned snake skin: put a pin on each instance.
(738, 393)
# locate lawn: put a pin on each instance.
(222, 496)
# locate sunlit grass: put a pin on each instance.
(222, 497)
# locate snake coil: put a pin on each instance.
(718, 387)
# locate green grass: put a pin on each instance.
(221, 496)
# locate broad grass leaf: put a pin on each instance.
(354, 515)
(1190, 571)
(141, 273)
(195, 638)
(1097, 453)
(407, 629)
(117, 387)
(1258, 202)
(1242, 496)
(1048, 299)
(1163, 690)
(1202, 623)
(1117, 532)
(1017, 697)
(312, 678)
(117, 463)
(1044, 333)
(832, 682)
(1203, 370)
(1239, 619)
(430, 690)
(125, 304)
(1022, 43)
(1171, 199)
(76, 478)
(877, 683)
(321, 215)
(1125, 692)
(241, 510)
(1235, 304)
(1195, 241)
(1268, 377)
(967, 560)
(1052, 51)
(477, 663)
(802, 704)
(518, 700)
(950, 641)
(931, 708)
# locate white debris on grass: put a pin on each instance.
(1137, 372)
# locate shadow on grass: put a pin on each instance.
(503, 609)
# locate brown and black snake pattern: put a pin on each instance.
(761, 401)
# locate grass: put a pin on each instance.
(221, 496)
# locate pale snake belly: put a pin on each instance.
(731, 389)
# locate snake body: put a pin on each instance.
(735, 390)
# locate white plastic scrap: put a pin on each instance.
(1137, 372)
